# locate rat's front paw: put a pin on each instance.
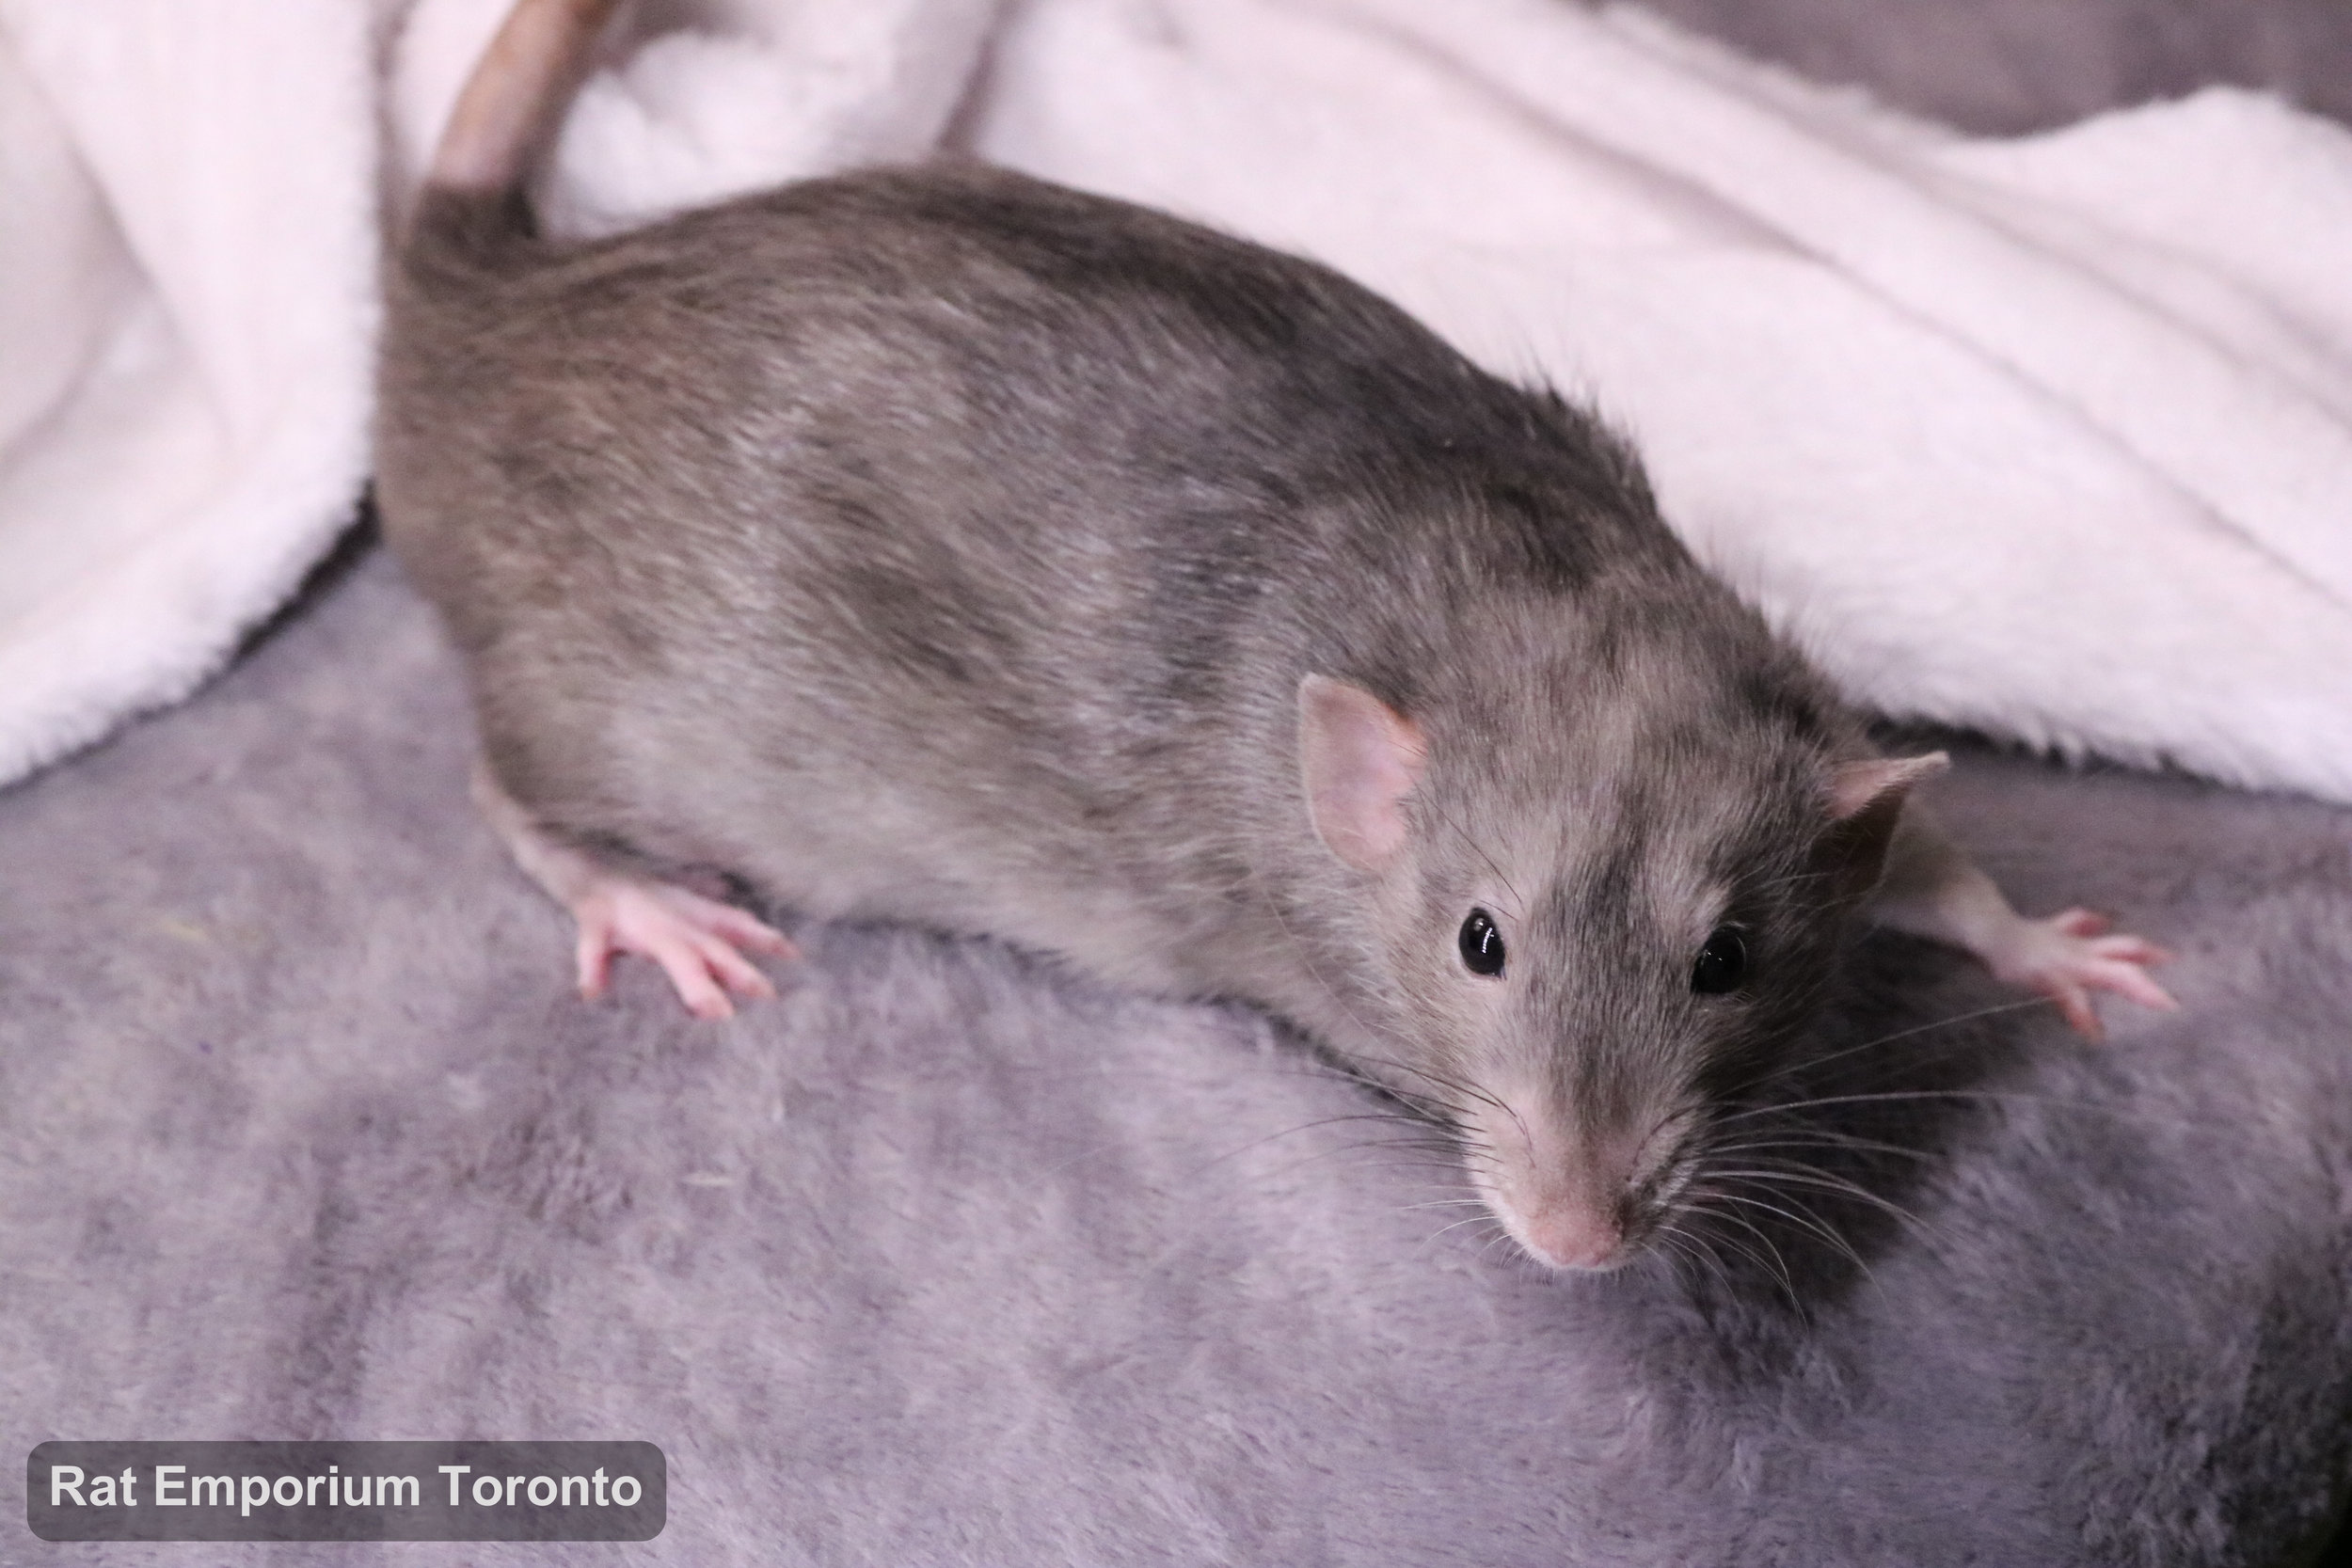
(2069, 956)
(696, 940)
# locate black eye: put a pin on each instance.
(1482, 944)
(1723, 962)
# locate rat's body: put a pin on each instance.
(963, 565)
(941, 546)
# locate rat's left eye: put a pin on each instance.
(1723, 963)
(1481, 944)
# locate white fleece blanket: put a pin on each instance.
(2052, 438)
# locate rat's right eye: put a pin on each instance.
(1482, 944)
(1723, 963)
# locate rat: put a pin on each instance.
(937, 545)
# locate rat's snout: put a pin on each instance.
(1563, 1196)
(1574, 1236)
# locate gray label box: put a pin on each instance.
(288, 1490)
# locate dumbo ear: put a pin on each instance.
(1358, 759)
(1865, 804)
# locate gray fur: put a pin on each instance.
(940, 546)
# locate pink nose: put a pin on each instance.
(1571, 1236)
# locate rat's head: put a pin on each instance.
(1608, 879)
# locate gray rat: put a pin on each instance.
(941, 546)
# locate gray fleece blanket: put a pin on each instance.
(945, 1258)
(942, 1257)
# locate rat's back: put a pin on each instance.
(944, 544)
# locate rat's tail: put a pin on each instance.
(508, 114)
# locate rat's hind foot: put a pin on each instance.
(1932, 890)
(696, 940)
(2069, 956)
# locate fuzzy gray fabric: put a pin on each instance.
(943, 1259)
(2000, 67)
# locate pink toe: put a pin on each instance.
(758, 935)
(761, 939)
(734, 971)
(703, 997)
(2076, 1007)
(594, 955)
(2136, 986)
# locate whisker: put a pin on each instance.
(1306, 959)
(1293, 1132)
(1828, 1183)
(1812, 1223)
(1680, 1249)
(1814, 1063)
(1778, 1264)
(1732, 1243)
(1801, 1136)
(1456, 1226)
(1476, 849)
(1698, 1250)
(1891, 1096)
(1443, 1080)
(1357, 1148)
(1499, 1237)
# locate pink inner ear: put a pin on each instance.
(1855, 786)
(1358, 759)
